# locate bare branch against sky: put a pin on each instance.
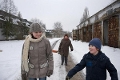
(8, 6)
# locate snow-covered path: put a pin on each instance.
(59, 71)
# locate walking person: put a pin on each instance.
(37, 57)
(64, 48)
(96, 63)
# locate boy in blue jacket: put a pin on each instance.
(96, 64)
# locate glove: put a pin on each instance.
(58, 52)
(67, 78)
(49, 73)
(71, 49)
(23, 75)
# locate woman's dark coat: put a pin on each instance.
(64, 47)
(96, 67)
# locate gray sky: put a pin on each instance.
(68, 12)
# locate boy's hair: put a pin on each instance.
(96, 42)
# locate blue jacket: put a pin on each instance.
(96, 67)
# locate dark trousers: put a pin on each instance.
(63, 58)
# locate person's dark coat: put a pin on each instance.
(96, 67)
(64, 47)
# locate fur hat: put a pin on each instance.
(96, 42)
(35, 27)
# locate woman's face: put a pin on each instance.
(93, 50)
(66, 37)
(37, 34)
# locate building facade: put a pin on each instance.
(105, 25)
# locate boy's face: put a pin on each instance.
(93, 50)
(37, 34)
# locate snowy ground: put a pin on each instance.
(10, 59)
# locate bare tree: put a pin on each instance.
(35, 20)
(58, 26)
(85, 15)
(19, 15)
(8, 6)
(58, 31)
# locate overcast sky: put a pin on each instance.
(68, 12)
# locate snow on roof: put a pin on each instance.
(15, 21)
(2, 19)
(26, 23)
(48, 30)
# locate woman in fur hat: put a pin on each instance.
(37, 57)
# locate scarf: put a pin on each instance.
(25, 51)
